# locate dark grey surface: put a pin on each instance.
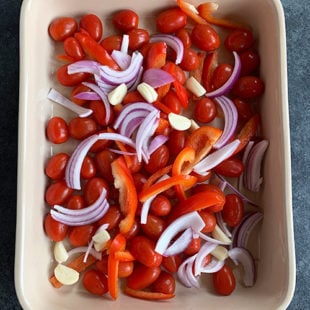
(298, 37)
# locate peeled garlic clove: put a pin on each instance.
(147, 92)
(60, 252)
(220, 252)
(66, 275)
(220, 235)
(179, 122)
(195, 87)
(117, 95)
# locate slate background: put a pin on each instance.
(298, 37)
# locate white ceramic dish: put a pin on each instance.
(276, 269)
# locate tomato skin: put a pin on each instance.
(62, 28)
(143, 249)
(93, 189)
(111, 43)
(176, 142)
(73, 48)
(81, 235)
(239, 40)
(125, 20)
(142, 277)
(76, 90)
(193, 247)
(57, 130)
(138, 38)
(125, 269)
(88, 169)
(248, 87)
(244, 109)
(153, 227)
(58, 193)
(56, 166)
(134, 231)
(250, 62)
(99, 112)
(158, 159)
(93, 25)
(175, 71)
(205, 110)
(103, 162)
(209, 219)
(112, 217)
(220, 75)
(231, 167)
(190, 60)
(81, 128)
(205, 37)
(172, 101)
(172, 263)
(233, 210)
(95, 282)
(75, 202)
(55, 230)
(160, 206)
(66, 79)
(171, 20)
(165, 283)
(224, 281)
(184, 35)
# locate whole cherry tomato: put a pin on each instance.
(205, 37)
(209, 220)
(153, 227)
(103, 162)
(142, 277)
(205, 110)
(249, 62)
(239, 40)
(248, 87)
(233, 210)
(220, 75)
(133, 232)
(81, 235)
(184, 35)
(138, 38)
(100, 144)
(172, 101)
(224, 281)
(158, 159)
(62, 28)
(160, 206)
(231, 167)
(171, 20)
(75, 202)
(112, 217)
(57, 130)
(58, 193)
(95, 282)
(73, 48)
(93, 189)
(190, 60)
(165, 283)
(125, 20)
(88, 169)
(99, 112)
(143, 249)
(93, 25)
(172, 263)
(125, 269)
(81, 128)
(139, 180)
(66, 79)
(193, 247)
(55, 230)
(56, 165)
(175, 71)
(112, 42)
(176, 141)
(244, 109)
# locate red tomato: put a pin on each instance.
(172, 101)
(75, 202)
(93, 189)
(176, 142)
(62, 28)
(73, 48)
(172, 263)
(154, 227)
(57, 130)
(56, 166)
(249, 62)
(139, 180)
(220, 75)
(133, 96)
(125, 269)
(81, 235)
(205, 110)
(193, 247)
(231, 167)
(248, 87)
(81, 128)
(93, 25)
(112, 42)
(138, 38)
(184, 35)
(76, 90)
(209, 219)
(143, 249)
(224, 281)
(205, 37)
(142, 277)
(160, 206)
(58, 193)
(175, 71)
(239, 40)
(171, 20)
(95, 282)
(66, 79)
(190, 60)
(158, 159)
(112, 217)
(88, 169)
(133, 232)
(244, 109)
(165, 283)
(103, 162)
(233, 210)
(55, 230)
(125, 20)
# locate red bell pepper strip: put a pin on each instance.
(65, 58)
(162, 107)
(191, 11)
(146, 294)
(197, 73)
(163, 90)
(156, 55)
(181, 93)
(210, 62)
(156, 175)
(124, 256)
(94, 50)
(128, 194)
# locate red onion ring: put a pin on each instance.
(180, 244)
(214, 266)
(87, 95)
(121, 58)
(157, 142)
(145, 209)
(185, 273)
(245, 155)
(87, 66)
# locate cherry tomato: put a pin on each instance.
(81, 235)
(88, 169)
(142, 277)
(58, 193)
(160, 206)
(66, 79)
(138, 38)
(175, 71)
(233, 210)
(133, 96)
(75, 202)
(231, 167)
(112, 42)
(244, 109)
(55, 230)
(100, 144)
(171, 20)
(158, 159)
(139, 180)
(172, 101)
(103, 162)
(73, 48)
(172, 263)
(143, 249)
(56, 166)
(184, 35)
(125, 20)
(209, 220)
(190, 60)
(248, 87)
(76, 90)
(205, 110)
(93, 25)
(165, 283)
(125, 269)
(205, 37)
(81, 128)
(220, 75)
(57, 130)
(133, 232)
(239, 40)
(249, 62)
(176, 142)
(93, 189)
(112, 217)
(193, 247)
(62, 28)
(95, 282)
(224, 281)
(153, 227)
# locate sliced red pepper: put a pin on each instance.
(156, 55)
(146, 294)
(128, 194)
(197, 73)
(163, 126)
(163, 90)
(65, 58)
(210, 62)
(162, 107)
(124, 256)
(156, 175)
(191, 11)
(181, 93)
(94, 50)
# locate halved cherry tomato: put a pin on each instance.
(171, 20)
(95, 282)
(62, 28)
(224, 281)
(233, 210)
(156, 55)
(57, 130)
(56, 165)
(93, 25)
(55, 230)
(125, 20)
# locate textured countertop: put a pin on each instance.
(298, 37)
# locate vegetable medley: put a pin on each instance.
(168, 150)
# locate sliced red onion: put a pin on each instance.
(252, 173)
(246, 152)
(157, 142)
(125, 44)
(185, 221)
(103, 97)
(180, 244)
(172, 41)
(231, 119)
(133, 85)
(145, 209)
(212, 240)
(83, 249)
(204, 250)
(182, 272)
(121, 58)
(216, 157)
(243, 256)
(214, 266)
(57, 97)
(87, 95)
(226, 87)
(121, 152)
(157, 77)
(222, 224)
(132, 122)
(87, 66)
